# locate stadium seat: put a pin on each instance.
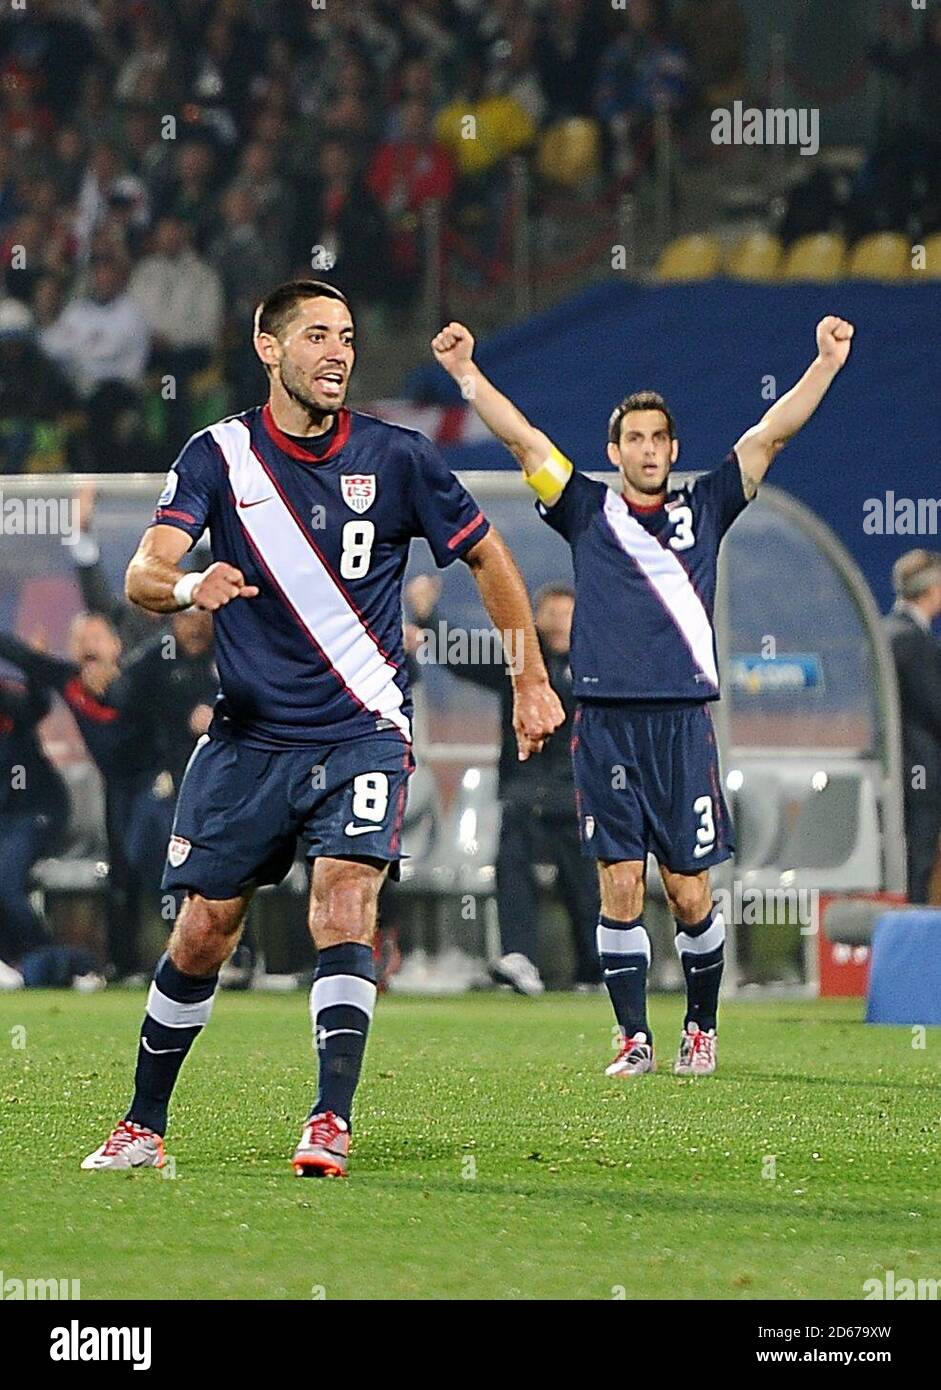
(694, 257)
(882, 256)
(569, 152)
(819, 256)
(932, 245)
(756, 257)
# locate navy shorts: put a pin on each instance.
(241, 810)
(647, 782)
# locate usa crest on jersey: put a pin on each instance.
(359, 490)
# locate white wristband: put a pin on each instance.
(183, 588)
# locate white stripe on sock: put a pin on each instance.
(712, 937)
(172, 1014)
(342, 989)
(623, 941)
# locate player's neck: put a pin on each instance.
(293, 418)
(643, 501)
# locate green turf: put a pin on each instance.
(491, 1159)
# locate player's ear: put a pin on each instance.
(268, 348)
(674, 451)
(614, 458)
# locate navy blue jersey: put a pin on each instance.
(318, 656)
(645, 585)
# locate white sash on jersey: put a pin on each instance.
(667, 577)
(310, 588)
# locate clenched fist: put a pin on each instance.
(537, 712)
(833, 340)
(220, 584)
(453, 348)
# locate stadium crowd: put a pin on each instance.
(161, 164)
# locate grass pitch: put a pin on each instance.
(491, 1158)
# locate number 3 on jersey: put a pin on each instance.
(357, 549)
(683, 537)
(706, 830)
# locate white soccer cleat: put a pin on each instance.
(697, 1054)
(9, 977)
(517, 971)
(635, 1057)
(128, 1146)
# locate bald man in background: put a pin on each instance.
(916, 578)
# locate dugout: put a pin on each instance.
(808, 725)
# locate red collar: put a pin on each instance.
(286, 443)
(641, 506)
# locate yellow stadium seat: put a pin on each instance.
(882, 256)
(693, 257)
(932, 270)
(819, 256)
(756, 257)
(570, 152)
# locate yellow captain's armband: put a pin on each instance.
(549, 479)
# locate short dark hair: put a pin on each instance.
(554, 589)
(277, 308)
(639, 400)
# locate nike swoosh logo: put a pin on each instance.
(352, 829)
(704, 969)
(158, 1051)
(255, 504)
(625, 970)
(332, 1033)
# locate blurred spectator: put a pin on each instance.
(641, 72)
(188, 188)
(500, 125)
(33, 393)
(403, 175)
(101, 341)
(248, 264)
(273, 199)
(715, 35)
(101, 337)
(514, 71)
(917, 66)
(916, 579)
(34, 807)
(179, 295)
(567, 54)
(345, 237)
(538, 824)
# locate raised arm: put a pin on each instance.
(537, 710)
(154, 579)
(453, 348)
(759, 446)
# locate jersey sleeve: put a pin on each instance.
(190, 487)
(443, 511)
(724, 491)
(572, 511)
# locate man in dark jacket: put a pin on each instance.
(916, 578)
(539, 823)
(34, 806)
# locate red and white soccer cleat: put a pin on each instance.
(635, 1057)
(697, 1054)
(324, 1148)
(128, 1146)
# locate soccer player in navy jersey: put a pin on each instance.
(644, 668)
(311, 509)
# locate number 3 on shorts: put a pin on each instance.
(370, 796)
(706, 831)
